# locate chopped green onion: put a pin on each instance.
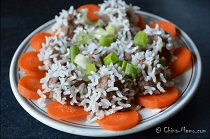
(74, 50)
(110, 58)
(124, 63)
(119, 62)
(141, 39)
(81, 60)
(162, 61)
(110, 29)
(131, 70)
(89, 68)
(106, 41)
(82, 37)
(100, 33)
(85, 21)
(99, 23)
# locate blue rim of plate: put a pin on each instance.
(96, 131)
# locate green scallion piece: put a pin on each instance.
(82, 37)
(89, 68)
(99, 23)
(141, 39)
(74, 50)
(110, 29)
(82, 60)
(162, 61)
(124, 63)
(106, 41)
(110, 58)
(84, 20)
(119, 62)
(131, 70)
(101, 32)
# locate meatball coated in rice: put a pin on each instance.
(105, 97)
(55, 50)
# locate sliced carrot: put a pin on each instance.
(92, 9)
(28, 86)
(119, 120)
(29, 62)
(159, 100)
(37, 40)
(141, 22)
(181, 63)
(167, 26)
(65, 112)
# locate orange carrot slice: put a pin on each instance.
(28, 86)
(92, 9)
(37, 40)
(167, 26)
(181, 63)
(159, 100)
(141, 22)
(65, 112)
(119, 120)
(29, 62)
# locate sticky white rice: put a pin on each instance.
(68, 83)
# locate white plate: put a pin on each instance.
(188, 83)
